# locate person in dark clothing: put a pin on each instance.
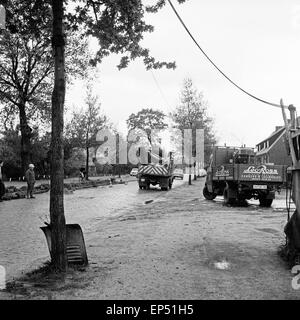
(2, 186)
(82, 174)
(30, 178)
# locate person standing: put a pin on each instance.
(30, 178)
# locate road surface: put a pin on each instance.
(22, 243)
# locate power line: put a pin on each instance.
(210, 60)
(159, 88)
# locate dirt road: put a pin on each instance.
(180, 246)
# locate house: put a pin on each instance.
(274, 149)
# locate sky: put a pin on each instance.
(256, 43)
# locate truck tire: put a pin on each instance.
(208, 195)
(263, 202)
(227, 200)
(170, 183)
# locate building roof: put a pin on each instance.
(271, 135)
(266, 150)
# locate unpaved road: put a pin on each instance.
(22, 243)
(180, 246)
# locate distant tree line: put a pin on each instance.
(80, 143)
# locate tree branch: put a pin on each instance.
(46, 73)
(9, 98)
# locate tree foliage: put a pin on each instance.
(147, 120)
(86, 122)
(81, 131)
(26, 67)
(10, 150)
(192, 113)
(119, 26)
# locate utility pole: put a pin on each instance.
(292, 228)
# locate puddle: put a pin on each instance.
(223, 265)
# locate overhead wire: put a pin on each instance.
(220, 71)
(159, 88)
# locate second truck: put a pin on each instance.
(234, 173)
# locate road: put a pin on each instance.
(154, 245)
(23, 245)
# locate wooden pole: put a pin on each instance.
(287, 128)
(292, 228)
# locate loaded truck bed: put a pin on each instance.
(152, 174)
(161, 174)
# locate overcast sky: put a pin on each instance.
(257, 43)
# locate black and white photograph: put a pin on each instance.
(149, 151)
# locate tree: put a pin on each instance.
(119, 27)
(147, 120)
(81, 131)
(57, 216)
(192, 113)
(10, 150)
(26, 68)
(25, 64)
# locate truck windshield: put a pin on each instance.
(245, 159)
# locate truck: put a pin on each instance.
(234, 173)
(161, 173)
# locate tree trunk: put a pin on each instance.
(25, 138)
(87, 162)
(57, 217)
(190, 175)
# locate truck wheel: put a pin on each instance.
(263, 202)
(227, 200)
(164, 188)
(170, 183)
(208, 195)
